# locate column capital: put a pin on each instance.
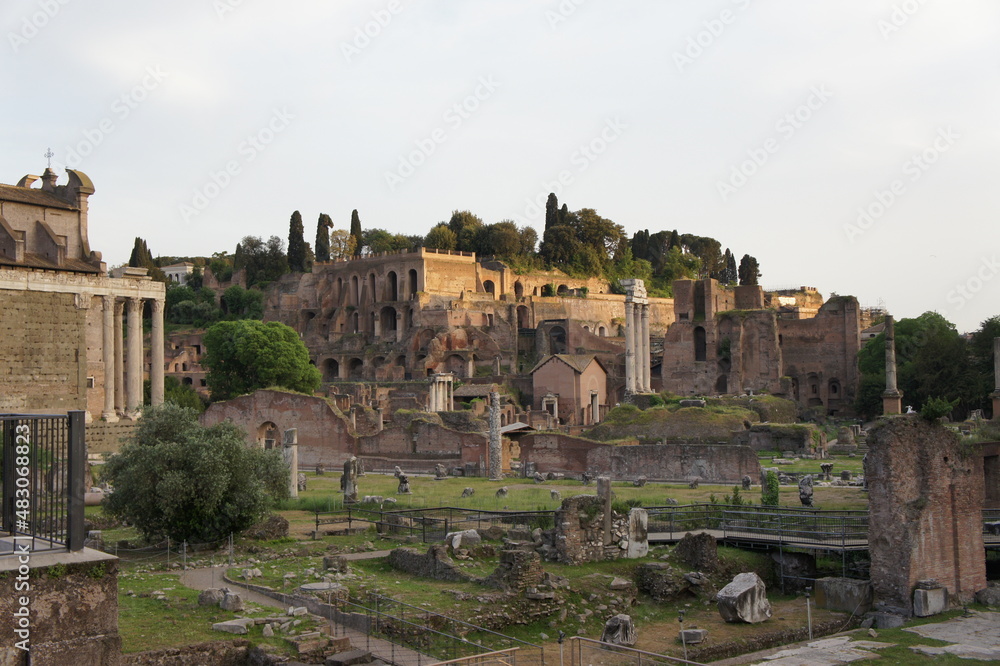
(134, 303)
(108, 302)
(119, 306)
(158, 305)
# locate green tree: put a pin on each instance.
(323, 227)
(243, 356)
(263, 262)
(173, 478)
(441, 237)
(356, 232)
(176, 393)
(749, 270)
(770, 492)
(240, 303)
(296, 244)
(731, 274)
(466, 227)
(551, 210)
(141, 257)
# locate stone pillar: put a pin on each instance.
(496, 365)
(629, 347)
(638, 534)
(399, 326)
(646, 351)
(156, 355)
(892, 397)
(290, 453)
(431, 402)
(595, 408)
(133, 358)
(450, 403)
(996, 373)
(376, 327)
(119, 359)
(604, 494)
(108, 358)
(496, 462)
(379, 419)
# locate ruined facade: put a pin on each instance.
(571, 387)
(72, 336)
(733, 340)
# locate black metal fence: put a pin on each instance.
(432, 524)
(43, 459)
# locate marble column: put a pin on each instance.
(156, 355)
(432, 396)
(133, 358)
(892, 397)
(495, 454)
(108, 357)
(595, 408)
(399, 327)
(119, 358)
(629, 348)
(646, 351)
(450, 404)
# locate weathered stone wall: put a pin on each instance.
(215, 653)
(580, 531)
(688, 424)
(104, 437)
(324, 434)
(73, 605)
(44, 339)
(801, 438)
(713, 463)
(435, 563)
(925, 511)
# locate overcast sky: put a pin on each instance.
(851, 146)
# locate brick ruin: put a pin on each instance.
(926, 490)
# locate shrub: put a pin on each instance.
(769, 493)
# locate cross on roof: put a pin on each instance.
(49, 154)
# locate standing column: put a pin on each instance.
(156, 355)
(629, 348)
(399, 327)
(495, 455)
(646, 351)
(108, 358)
(450, 405)
(133, 358)
(595, 408)
(996, 373)
(119, 358)
(892, 397)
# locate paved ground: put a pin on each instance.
(975, 637)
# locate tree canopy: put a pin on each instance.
(323, 227)
(263, 262)
(243, 356)
(174, 478)
(297, 253)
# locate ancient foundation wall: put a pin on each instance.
(925, 511)
(712, 463)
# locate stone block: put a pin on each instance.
(693, 636)
(989, 596)
(232, 602)
(349, 658)
(744, 600)
(213, 596)
(844, 594)
(930, 602)
(233, 626)
(883, 620)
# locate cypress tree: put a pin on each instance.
(323, 227)
(551, 211)
(296, 244)
(356, 232)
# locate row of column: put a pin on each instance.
(637, 350)
(123, 356)
(441, 396)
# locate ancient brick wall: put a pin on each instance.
(44, 365)
(104, 437)
(801, 438)
(324, 435)
(925, 511)
(718, 463)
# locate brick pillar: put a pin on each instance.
(156, 355)
(119, 359)
(133, 357)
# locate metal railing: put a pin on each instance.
(432, 524)
(588, 652)
(43, 459)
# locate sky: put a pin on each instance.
(850, 146)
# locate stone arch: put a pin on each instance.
(355, 291)
(722, 384)
(456, 365)
(602, 331)
(833, 389)
(355, 322)
(523, 317)
(409, 318)
(814, 398)
(489, 287)
(412, 282)
(557, 340)
(340, 290)
(424, 338)
(700, 344)
(331, 370)
(267, 431)
(372, 287)
(371, 322)
(391, 286)
(187, 381)
(563, 290)
(401, 360)
(387, 319)
(586, 328)
(518, 289)
(356, 368)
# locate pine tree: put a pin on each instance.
(551, 211)
(749, 270)
(356, 232)
(323, 227)
(730, 274)
(141, 257)
(296, 244)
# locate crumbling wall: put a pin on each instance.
(925, 511)
(435, 563)
(797, 437)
